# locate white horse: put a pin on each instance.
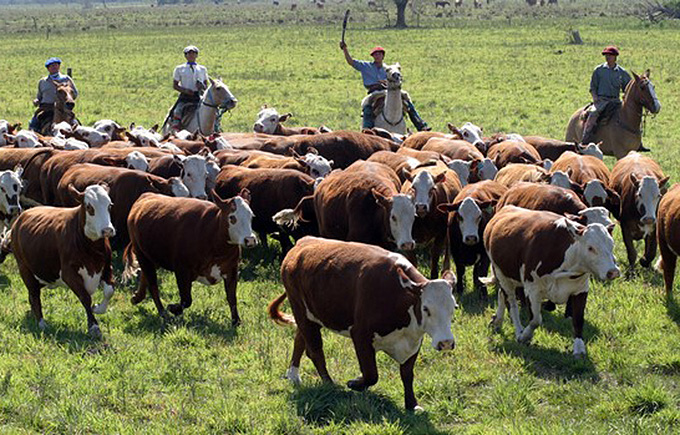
(391, 118)
(216, 96)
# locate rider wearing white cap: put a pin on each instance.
(190, 80)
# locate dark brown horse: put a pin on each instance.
(60, 112)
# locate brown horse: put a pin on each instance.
(61, 111)
(622, 133)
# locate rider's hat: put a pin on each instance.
(377, 49)
(189, 48)
(52, 60)
(610, 49)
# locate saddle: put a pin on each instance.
(188, 113)
(610, 112)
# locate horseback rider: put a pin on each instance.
(190, 80)
(607, 81)
(375, 79)
(47, 94)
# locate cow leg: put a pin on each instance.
(75, 282)
(578, 309)
(293, 373)
(435, 253)
(314, 346)
(363, 346)
(406, 372)
(140, 294)
(33, 286)
(497, 319)
(650, 250)
(630, 247)
(667, 264)
(149, 275)
(536, 317)
(185, 301)
(107, 289)
(513, 309)
(230, 284)
(460, 277)
(481, 269)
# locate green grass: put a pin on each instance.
(196, 374)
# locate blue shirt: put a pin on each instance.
(371, 74)
(607, 82)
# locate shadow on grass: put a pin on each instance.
(673, 309)
(145, 320)
(73, 341)
(323, 404)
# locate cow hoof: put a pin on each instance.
(42, 324)
(525, 337)
(175, 309)
(579, 348)
(137, 299)
(235, 322)
(293, 375)
(95, 332)
(357, 384)
(99, 309)
(417, 409)
(495, 324)
(645, 263)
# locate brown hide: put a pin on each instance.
(550, 148)
(518, 172)
(542, 197)
(418, 140)
(510, 151)
(668, 234)
(32, 161)
(454, 149)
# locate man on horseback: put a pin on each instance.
(47, 94)
(190, 80)
(374, 77)
(607, 81)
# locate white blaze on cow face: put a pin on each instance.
(26, 139)
(97, 204)
(240, 224)
(402, 216)
(423, 188)
(472, 134)
(212, 169)
(560, 179)
(596, 215)
(319, 167)
(592, 250)
(592, 149)
(595, 193)
(437, 306)
(61, 129)
(267, 121)
(184, 135)
(647, 199)
(146, 138)
(137, 160)
(4, 129)
(107, 126)
(469, 216)
(93, 137)
(222, 144)
(194, 174)
(74, 144)
(462, 168)
(10, 190)
(179, 190)
(487, 169)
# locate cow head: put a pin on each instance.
(470, 216)
(561, 179)
(401, 213)
(25, 139)
(483, 169)
(316, 166)
(96, 205)
(423, 189)
(592, 149)
(471, 133)
(93, 137)
(137, 160)
(112, 128)
(212, 167)
(62, 128)
(217, 142)
(647, 196)
(74, 144)
(593, 215)
(143, 137)
(462, 168)
(238, 218)
(437, 305)
(4, 130)
(10, 190)
(173, 186)
(592, 249)
(268, 120)
(194, 174)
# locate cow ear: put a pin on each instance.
(406, 174)
(245, 194)
(154, 128)
(454, 130)
(105, 186)
(474, 165)
(285, 116)
(486, 206)
(574, 228)
(449, 277)
(381, 199)
(610, 228)
(313, 150)
(440, 178)
(19, 169)
(132, 138)
(448, 208)
(221, 202)
(406, 282)
(634, 179)
(75, 194)
(663, 182)
(576, 218)
(570, 172)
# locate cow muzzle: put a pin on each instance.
(613, 273)
(108, 232)
(250, 241)
(258, 128)
(421, 210)
(471, 240)
(445, 345)
(648, 220)
(407, 246)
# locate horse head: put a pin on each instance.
(221, 96)
(394, 77)
(645, 93)
(65, 96)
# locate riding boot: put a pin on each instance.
(34, 124)
(415, 117)
(368, 120)
(589, 128)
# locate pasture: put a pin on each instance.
(197, 374)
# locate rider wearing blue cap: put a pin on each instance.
(47, 92)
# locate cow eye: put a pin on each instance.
(15, 187)
(90, 210)
(465, 133)
(394, 218)
(232, 219)
(591, 249)
(427, 311)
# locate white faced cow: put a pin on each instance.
(137, 160)
(268, 120)
(10, 191)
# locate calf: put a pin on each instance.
(640, 182)
(10, 192)
(125, 186)
(67, 246)
(270, 122)
(468, 214)
(374, 296)
(552, 258)
(667, 226)
(197, 240)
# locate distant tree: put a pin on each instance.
(401, 13)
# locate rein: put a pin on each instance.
(398, 89)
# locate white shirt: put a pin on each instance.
(188, 76)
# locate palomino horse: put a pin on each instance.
(622, 133)
(217, 96)
(62, 111)
(391, 115)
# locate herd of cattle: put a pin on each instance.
(536, 209)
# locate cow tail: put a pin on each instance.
(491, 279)
(287, 218)
(130, 262)
(276, 315)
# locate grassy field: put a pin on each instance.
(198, 375)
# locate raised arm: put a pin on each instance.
(348, 57)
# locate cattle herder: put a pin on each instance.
(374, 77)
(47, 93)
(189, 79)
(608, 79)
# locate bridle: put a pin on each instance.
(220, 108)
(396, 87)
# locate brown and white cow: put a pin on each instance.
(10, 193)
(375, 297)
(192, 170)
(195, 239)
(511, 151)
(7, 129)
(515, 173)
(402, 165)
(640, 182)
(552, 258)
(67, 246)
(468, 214)
(270, 122)
(125, 187)
(668, 235)
(552, 148)
(453, 149)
